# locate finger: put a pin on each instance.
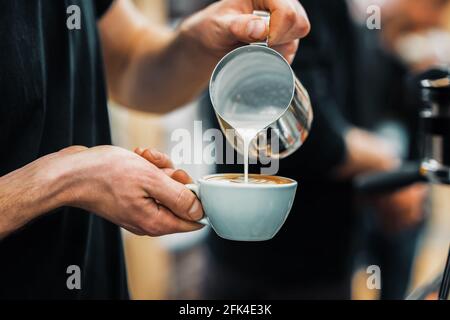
(289, 20)
(159, 159)
(139, 151)
(165, 222)
(175, 196)
(181, 176)
(247, 27)
(169, 172)
(178, 175)
(288, 50)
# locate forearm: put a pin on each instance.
(168, 79)
(31, 191)
(151, 67)
(366, 153)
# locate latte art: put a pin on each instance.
(252, 179)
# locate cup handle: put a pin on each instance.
(266, 17)
(196, 189)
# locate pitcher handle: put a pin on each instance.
(266, 17)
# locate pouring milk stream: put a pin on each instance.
(251, 88)
(248, 126)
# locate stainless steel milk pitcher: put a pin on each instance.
(255, 84)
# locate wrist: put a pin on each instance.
(30, 192)
(36, 189)
(56, 177)
(63, 179)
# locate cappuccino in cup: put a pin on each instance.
(252, 179)
(253, 210)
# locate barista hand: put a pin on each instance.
(402, 209)
(114, 183)
(228, 23)
(177, 64)
(135, 194)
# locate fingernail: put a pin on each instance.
(156, 154)
(181, 175)
(256, 29)
(196, 212)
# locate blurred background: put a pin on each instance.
(414, 35)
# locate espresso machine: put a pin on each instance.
(434, 115)
(434, 167)
(435, 122)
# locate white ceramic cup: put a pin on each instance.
(244, 212)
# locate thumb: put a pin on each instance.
(248, 28)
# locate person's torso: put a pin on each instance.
(52, 95)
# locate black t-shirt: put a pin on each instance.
(52, 95)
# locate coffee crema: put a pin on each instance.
(252, 179)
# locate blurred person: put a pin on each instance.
(401, 17)
(63, 190)
(388, 61)
(313, 254)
